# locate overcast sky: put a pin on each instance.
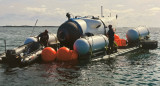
(52, 12)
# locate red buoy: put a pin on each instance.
(116, 37)
(48, 54)
(120, 42)
(74, 54)
(123, 42)
(63, 54)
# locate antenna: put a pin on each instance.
(5, 46)
(34, 27)
(116, 16)
(102, 11)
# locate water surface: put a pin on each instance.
(135, 68)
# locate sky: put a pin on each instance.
(131, 13)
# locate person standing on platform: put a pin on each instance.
(110, 35)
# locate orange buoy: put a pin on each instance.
(120, 42)
(63, 54)
(117, 41)
(48, 54)
(116, 37)
(123, 42)
(74, 54)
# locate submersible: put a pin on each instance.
(77, 27)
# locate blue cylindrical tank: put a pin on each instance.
(138, 33)
(90, 44)
(30, 39)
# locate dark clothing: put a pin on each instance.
(43, 38)
(111, 41)
(110, 34)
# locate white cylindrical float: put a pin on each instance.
(52, 39)
(90, 44)
(138, 33)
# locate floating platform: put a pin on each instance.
(84, 46)
(119, 52)
(14, 57)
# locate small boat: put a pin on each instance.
(27, 53)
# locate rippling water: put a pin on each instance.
(136, 68)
